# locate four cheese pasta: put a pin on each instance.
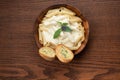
(49, 25)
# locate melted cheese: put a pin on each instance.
(70, 39)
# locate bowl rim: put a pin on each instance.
(78, 13)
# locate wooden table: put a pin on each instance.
(19, 58)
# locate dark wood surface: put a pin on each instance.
(19, 58)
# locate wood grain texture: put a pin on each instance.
(19, 58)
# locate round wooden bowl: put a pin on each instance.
(78, 13)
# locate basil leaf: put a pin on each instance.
(59, 23)
(67, 29)
(64, 24)
(57, 33)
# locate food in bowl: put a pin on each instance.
(61, 26)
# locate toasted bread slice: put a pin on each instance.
(64, 54)
(47, 53)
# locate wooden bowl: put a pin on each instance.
(78, 13)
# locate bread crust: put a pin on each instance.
(47, 53)
(64, 57)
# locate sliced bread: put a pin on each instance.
(47, 53)
(64, 54)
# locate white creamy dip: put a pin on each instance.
(72, 39)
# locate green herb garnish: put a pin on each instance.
(64, 27)
(57, 33)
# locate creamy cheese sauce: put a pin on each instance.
(69, 39)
